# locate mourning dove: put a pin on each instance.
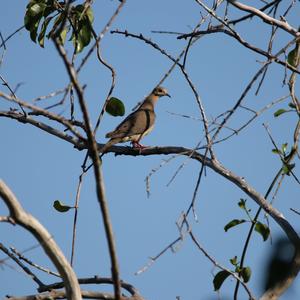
(136, 125)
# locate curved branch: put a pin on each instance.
(22, 218)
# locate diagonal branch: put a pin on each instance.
(22, 218)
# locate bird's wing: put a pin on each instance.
(136, 123)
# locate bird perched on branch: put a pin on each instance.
(138, 124)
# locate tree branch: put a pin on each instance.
(272, 21)
(31, 224)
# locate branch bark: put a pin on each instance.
(264, 17)
(31, 224)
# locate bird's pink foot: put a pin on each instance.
(137, 145)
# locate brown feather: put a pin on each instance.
(137, 124)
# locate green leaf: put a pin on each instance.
(78, 10)
(279, 112)
(219, 278)
(61, 207)
(41, 37)
(263, 230)
(284, 147)
(234, 260)
(287, 168)
(292, 59)
(115, 107)
(90, 15)
(36, 9)
(57, 22)
(276, 151)
(83, 38)
(292, 105)
(233, 223)
(63, 35)
(245, 273)
(33, 15)
(242, 204)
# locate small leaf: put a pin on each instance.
(63, 35)
(233, 223)
(242, 204)
(56, 23)
(219, 278)
(33, 15)
(276, 151)
(279, 112)
(292, 57)
(284, 147)
(41, 37)
(245, 273)
(36, 9)
(287, 168)
(263, 230)
(234, 261)
(115, 107)
(59, 206)
(292, 105)
(90, 15)
(83, 38)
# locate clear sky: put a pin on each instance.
(40, 168)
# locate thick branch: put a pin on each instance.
(31, 224)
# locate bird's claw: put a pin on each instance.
(137, 145)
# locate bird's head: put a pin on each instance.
(160, 92)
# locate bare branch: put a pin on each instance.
(215, 263)
(272, 21)
(22, 257)
(24, 268)
(53, 131)
(45, 113)
(31, 224)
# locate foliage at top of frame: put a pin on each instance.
(41, 13)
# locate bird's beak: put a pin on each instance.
(168, 95)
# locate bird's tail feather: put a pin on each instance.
(106, 147)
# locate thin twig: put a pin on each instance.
(24, 268)
(22, 257)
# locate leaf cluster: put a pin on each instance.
(77, 20)
(243, 272)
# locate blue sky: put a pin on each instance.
(40, 168)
